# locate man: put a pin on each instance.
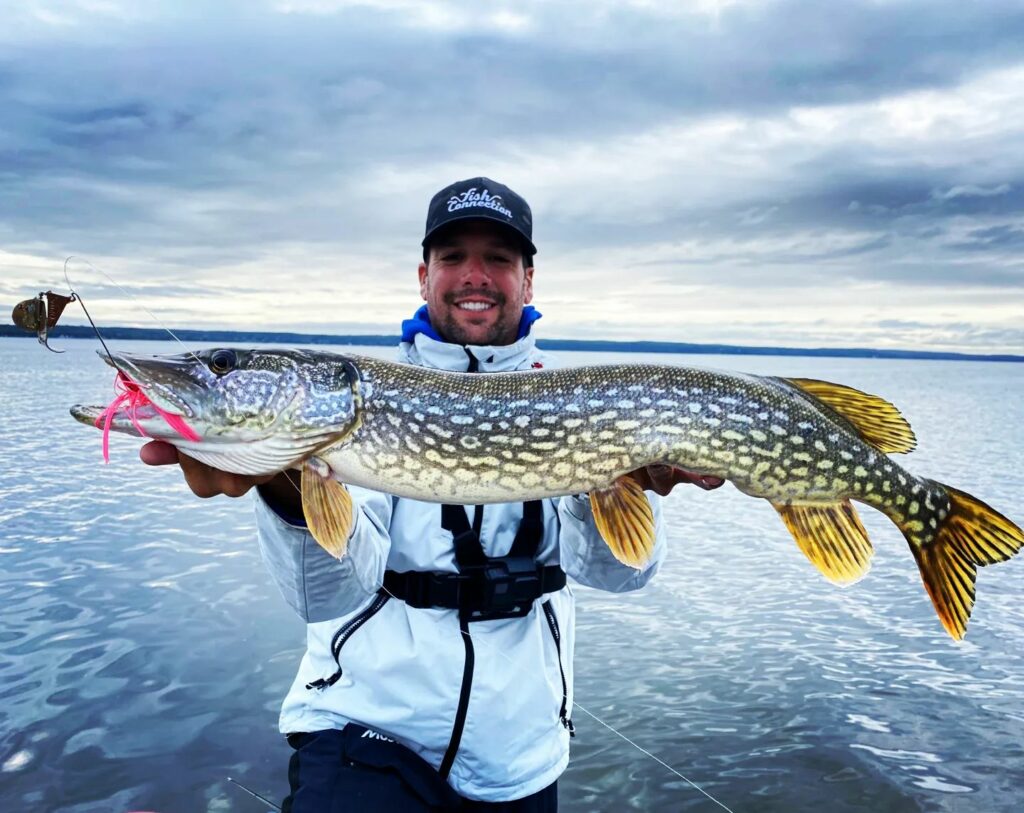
(438, 671)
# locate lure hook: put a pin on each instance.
(40, 314)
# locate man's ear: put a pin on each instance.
(528, 285)
(422, 271)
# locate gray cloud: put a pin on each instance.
(971, 191)
(1003, 236)
(216, 142)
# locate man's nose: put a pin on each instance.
(475, 273)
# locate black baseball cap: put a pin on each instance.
(480, 199)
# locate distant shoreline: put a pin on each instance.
(580, 345)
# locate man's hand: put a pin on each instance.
(206, 481)
(661, 478)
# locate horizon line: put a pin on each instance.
(578, 345)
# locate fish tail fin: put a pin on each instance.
(968, 534)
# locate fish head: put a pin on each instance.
(238, 409)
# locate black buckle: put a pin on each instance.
(432, 589)
(501, 588)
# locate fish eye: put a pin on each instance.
(223, 361)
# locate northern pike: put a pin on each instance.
(808, 447)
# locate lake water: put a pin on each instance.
(144, 651)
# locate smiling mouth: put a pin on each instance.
(475, 306)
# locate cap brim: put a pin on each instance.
(479, 216)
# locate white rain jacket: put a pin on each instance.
(402, 667)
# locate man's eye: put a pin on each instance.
(500, 258)
(451, 257)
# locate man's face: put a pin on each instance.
(475, 284)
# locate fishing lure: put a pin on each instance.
(39, 314)
(130, 399)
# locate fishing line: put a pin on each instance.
(96, 330)
(254, 794)
(609, 726)
(128, 294)
(589, 713)
(487, 645)
(661, 762)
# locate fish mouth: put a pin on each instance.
(152, 423)
(148, 373)
(147, 404)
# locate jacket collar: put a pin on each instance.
(421, 345)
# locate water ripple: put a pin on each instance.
(144, 651)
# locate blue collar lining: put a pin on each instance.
(420, 323)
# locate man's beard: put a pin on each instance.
(501, 332)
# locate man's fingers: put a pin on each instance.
(158, 453)
(235, 485)
(707, 482)
(661, 478)
(205, 481)
(198, 476)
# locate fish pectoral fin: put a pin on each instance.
(832, 537)
(327, 506)
(623, 515)
(875, 419)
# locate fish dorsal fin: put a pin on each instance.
(327, 506)
(623, 515)
(832, 537)
(875, 419)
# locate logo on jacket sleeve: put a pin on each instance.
(471, 198)
(373, 735)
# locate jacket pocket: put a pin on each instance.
(345, 632)
(564, 714)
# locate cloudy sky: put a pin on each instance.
(797, 172)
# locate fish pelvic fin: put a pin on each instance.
(624, 518)
(327, 506)
(832, 537)
(876, 420)
(970, 535)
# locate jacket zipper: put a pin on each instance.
(463, 707)
(346, 631)
(563, 713)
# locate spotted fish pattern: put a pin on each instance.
(528, 435)
(809, 447)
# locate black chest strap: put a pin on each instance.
(484, 588)
(468, 549)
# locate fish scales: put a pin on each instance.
(504, 437)
(808, 447)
